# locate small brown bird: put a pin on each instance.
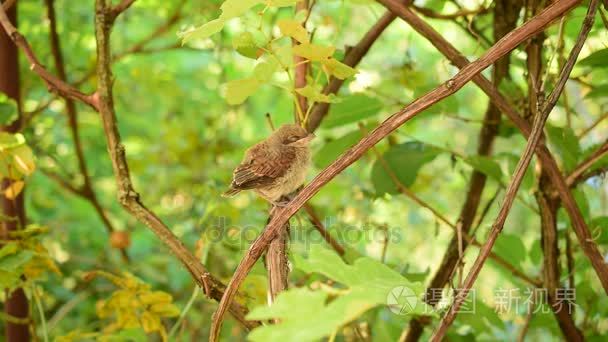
(276, 166)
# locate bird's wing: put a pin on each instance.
(261, 167)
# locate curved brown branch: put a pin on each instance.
(120, 8)
(520, 170)
(55, 84)
(545, 157)
(461, 13)
(508, 43)
(578, 171)
(316, 222)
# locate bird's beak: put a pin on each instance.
(304, 141)
(309, 137)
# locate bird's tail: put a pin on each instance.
(231, 192)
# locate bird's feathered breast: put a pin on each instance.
(262, 166)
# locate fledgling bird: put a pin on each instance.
(274, 167)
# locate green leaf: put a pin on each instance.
(313, 52)
(8, 109)
(511, 248)
(314, 93)
(23, 159)
(292, 28)
(595, 60)
(8, 140)
(202, 32)
(263, 71)
(486, 165)
(404, 160)
(236, 8)
(598, 92)
(12, 262)
(246, 45)
(566, 143)
(282, 3)
(230, 9)
(307, 316)
(352, 109)
(238, 91)
(599, 227)
(334, 148)
(333, 67)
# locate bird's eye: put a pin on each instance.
(293, 138)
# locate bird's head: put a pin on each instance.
(292, 135)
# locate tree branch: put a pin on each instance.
(530, 28)
(120, 8)
(461, 13)
(549, 243)
(543, 153)
(86, 191)
(522, 165)
(127, 196)
(316, 222)
(54, 84)
(577, 173)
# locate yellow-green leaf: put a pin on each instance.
(13, 190)
(165, 309)
(313, 52)
(245, 45)
(204, 31)
(24, 159)
(282, 3)
(236, 8)
(333, 67)
(155, 297)
(238, 91)
(292, 28)
(263, 71)
(150, 322)
(314, 94)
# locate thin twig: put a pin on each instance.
(316, 222)
(460, 13)
(518, 175)
(54, 83)
(579, 170)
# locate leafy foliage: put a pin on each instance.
(307, 315)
